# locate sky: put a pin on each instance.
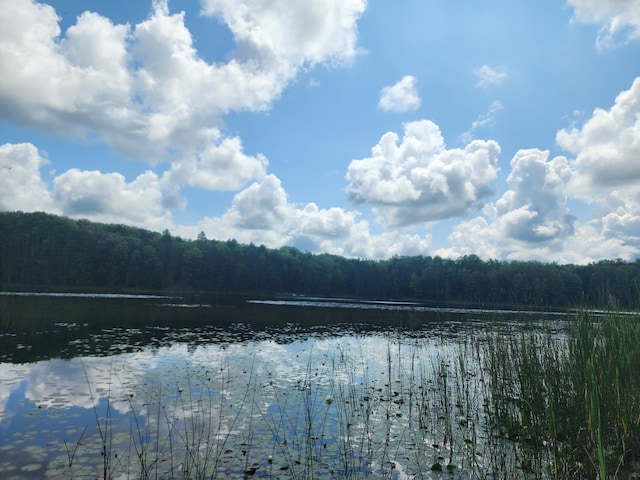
(368, 129)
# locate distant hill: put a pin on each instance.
(39, 250)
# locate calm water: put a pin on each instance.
(172, 387)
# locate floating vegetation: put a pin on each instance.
(32, 467)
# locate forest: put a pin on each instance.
(44, 251)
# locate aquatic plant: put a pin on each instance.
(571, 401)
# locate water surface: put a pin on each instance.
(168, 386)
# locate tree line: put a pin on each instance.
(39, 250)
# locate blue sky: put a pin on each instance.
(509, 130)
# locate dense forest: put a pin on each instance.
(39, 250)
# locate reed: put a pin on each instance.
(606, 353)
(571, 401)
(105, 430)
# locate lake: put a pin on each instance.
(145, 386)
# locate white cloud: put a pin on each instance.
(226, 167)
(489, 76)
(488, 119)
(221, 165)
(261, 206)
(385, 245)
(606, 147)
(400, 97)
(280, 34)
(531, 221)
(145, 91)
(262, 214)
(104, 197)
(419, 180)
(61, 86)
(531, 216)
(175, 82)
(484, 120)
(21, 187)
(107, 197)
(475, 236)
(534, 209)
(619, 20)
(624, 219)
(606, 172)
(327, 224)
(485, 239)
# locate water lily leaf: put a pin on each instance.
(32, 467)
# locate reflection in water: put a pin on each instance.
(131, 387)
(246, 395)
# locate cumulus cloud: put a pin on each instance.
(586, 245)
(61, 85)
(531, 221)
(489, 76)
(261, 206)
(534, 209)
(220, 165)
(225, 166)
(532, 212)
(385, 245)
(22, 187)
(606, 147)
(284, 35)
(619, 20)
(624, 219)
(262, 214)
(419, 179)
(416, 177)
(476, 236)
(144, 90)
(108, 197)
(331, 223)
(606, 173)
(400, 97)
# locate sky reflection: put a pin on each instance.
(162, 389)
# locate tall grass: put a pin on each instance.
(571, 401)
(606, 354)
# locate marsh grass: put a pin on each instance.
(606, 354)
(572, 401)
(520, 404)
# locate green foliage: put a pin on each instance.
(39, 250)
